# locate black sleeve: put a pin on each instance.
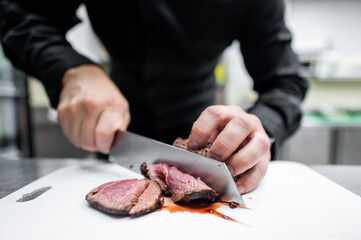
(33, 38)
(269, 59)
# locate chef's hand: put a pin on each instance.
(238, 139)
(91, 108)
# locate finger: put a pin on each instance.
(63, 120)
(210, 122)
(228, 141)
(250, 179)
(214, 135)
(87, 131)
(250, 154)
(90, 117)
(67, 120)
(75, 113)
(109, 122)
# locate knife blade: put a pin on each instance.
(130, 150)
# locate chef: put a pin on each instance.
(161, 83)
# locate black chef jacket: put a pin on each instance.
(163, 53)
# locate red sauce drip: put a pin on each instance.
(200, 207)
(232, 205)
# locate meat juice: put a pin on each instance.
(201, 208)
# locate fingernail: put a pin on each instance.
(193, 145)
(230, 169)
(241, 189)
(213, 156)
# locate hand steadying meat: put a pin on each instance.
(238, 139)
(91, 108)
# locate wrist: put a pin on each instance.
(74, 72)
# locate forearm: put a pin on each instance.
(280, 113)
(37, 45)
(266, 47)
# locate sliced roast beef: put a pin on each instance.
(184, 144)
(183, 187)
(133, 197)
(150, 200)
(136, 197)
(157, 174)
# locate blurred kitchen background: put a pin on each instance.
(327, 39)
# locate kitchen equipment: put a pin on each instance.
(15, 133)
(131, 150)
(291, 202)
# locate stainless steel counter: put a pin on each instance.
(14, 174)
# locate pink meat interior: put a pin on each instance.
(148, 200)
(119, 194)
(179, 184)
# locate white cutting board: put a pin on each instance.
(292, 202)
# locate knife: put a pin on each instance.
(130, 150)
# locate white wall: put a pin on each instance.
(332, 24)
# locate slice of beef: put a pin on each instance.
(126, 197)
(157, 174)
(149, 201)
(184, 144)
(117, 197)
(183, 187)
